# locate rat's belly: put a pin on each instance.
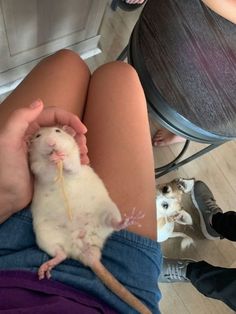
(74, 218)
(73, 237)
(54, 227)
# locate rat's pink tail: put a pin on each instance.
(115, 286)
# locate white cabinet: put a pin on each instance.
(33, 29)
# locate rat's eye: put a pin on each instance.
(38, 135)
(58, 130)
(165, 205)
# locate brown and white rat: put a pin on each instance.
(93, 217)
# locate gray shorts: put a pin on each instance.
(134, 260)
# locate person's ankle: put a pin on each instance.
(213, 217)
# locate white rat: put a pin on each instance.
(94, 216)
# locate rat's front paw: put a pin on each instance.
(128, 220)
(56, 157)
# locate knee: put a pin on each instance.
(67, 58)
(67, 54)
(118, 69)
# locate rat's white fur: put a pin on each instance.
(169, 211)
(90, 210)
(88, 199)
(94, 215)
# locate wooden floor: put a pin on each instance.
(217, 169)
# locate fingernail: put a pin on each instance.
(35, 104)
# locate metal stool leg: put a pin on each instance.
(114, 5)
(123, 54)
(173, 162)
(174, 166)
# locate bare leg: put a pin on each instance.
(163, 137)
(59, 80)
(119, 141)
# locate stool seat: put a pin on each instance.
(185, 56)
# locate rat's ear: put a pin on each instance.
(68, 129)
(28, 140)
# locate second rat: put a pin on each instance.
(73, 214)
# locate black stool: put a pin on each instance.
(185, 56)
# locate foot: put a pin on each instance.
(134, 1)
(174, 270)
(205, 203)
(163, 137)
(45, 268)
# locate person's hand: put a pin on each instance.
(16, 186)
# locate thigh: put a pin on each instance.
(59, 80)
(119, 141)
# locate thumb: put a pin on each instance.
(20, 119)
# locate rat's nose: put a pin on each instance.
(165, 189)
(51, 143)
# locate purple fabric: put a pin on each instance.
(22, 292)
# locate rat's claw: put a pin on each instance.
(130, 220)
(48, 274)
(41, 274)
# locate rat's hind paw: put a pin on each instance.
(129, 220)
(45, 269)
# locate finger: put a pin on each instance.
(32, 129)
(81, 141)
(20, 119)
(84, 150)
(53, 115)
(84, 159)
